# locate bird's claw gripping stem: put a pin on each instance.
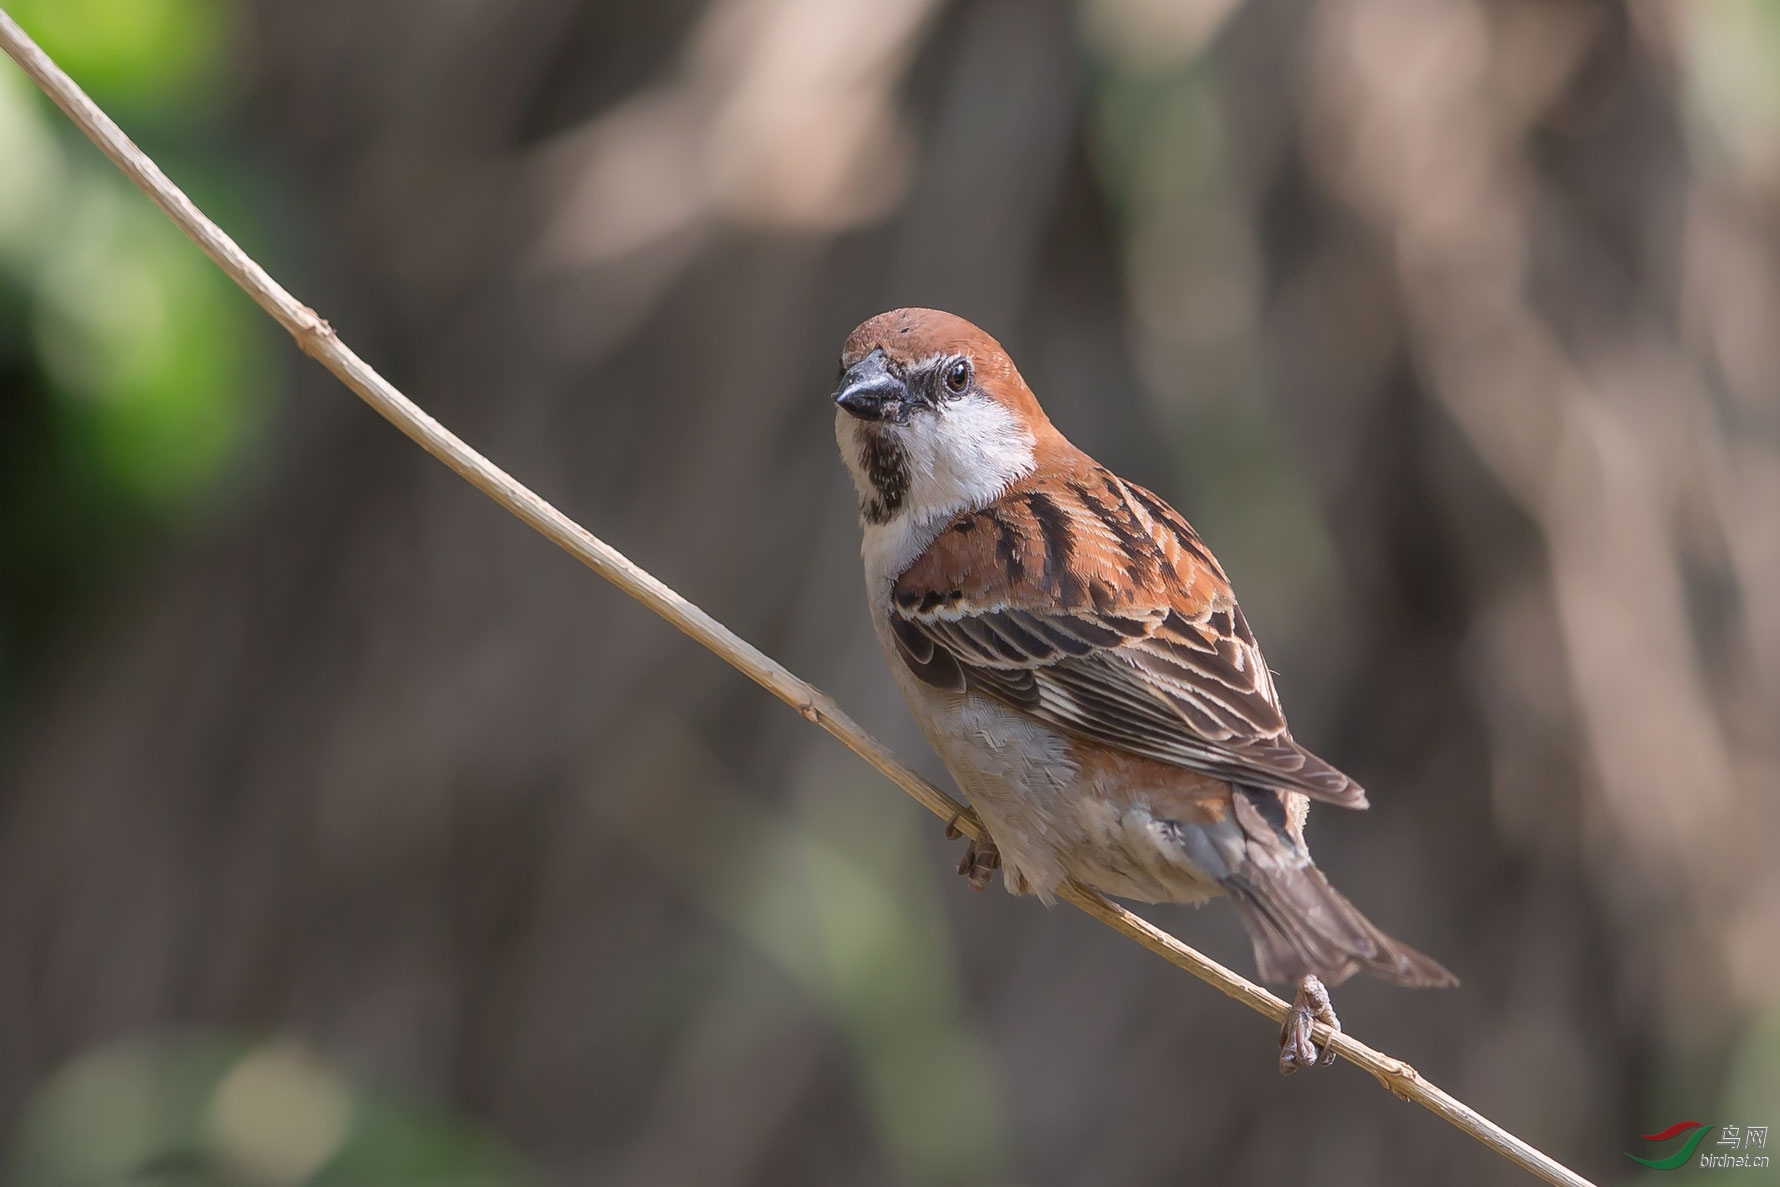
(981, 859)
(1297, 1045)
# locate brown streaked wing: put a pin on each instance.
(1091, 604)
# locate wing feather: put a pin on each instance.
(1091, 604)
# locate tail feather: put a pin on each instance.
(1300, 924)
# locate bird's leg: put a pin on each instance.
(1296, 1045)
(981, 859)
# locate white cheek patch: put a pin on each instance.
(963, 457)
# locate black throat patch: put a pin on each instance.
(887, 466)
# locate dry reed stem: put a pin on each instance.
(318, 339)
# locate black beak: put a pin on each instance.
(869, 392)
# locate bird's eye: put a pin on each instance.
(958, 376)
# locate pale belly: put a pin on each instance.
(1051, 820)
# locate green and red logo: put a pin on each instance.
(1699, 1130)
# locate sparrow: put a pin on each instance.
(1074, 654)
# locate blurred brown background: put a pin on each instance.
(351, 834)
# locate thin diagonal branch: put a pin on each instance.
(318, 339)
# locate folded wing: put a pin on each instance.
(1089, 603)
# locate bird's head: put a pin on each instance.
(932, 418)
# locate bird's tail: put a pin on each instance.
(1300, 924)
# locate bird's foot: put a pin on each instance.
(1297, 1047)
(981, 858)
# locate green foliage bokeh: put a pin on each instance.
(132, 373)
